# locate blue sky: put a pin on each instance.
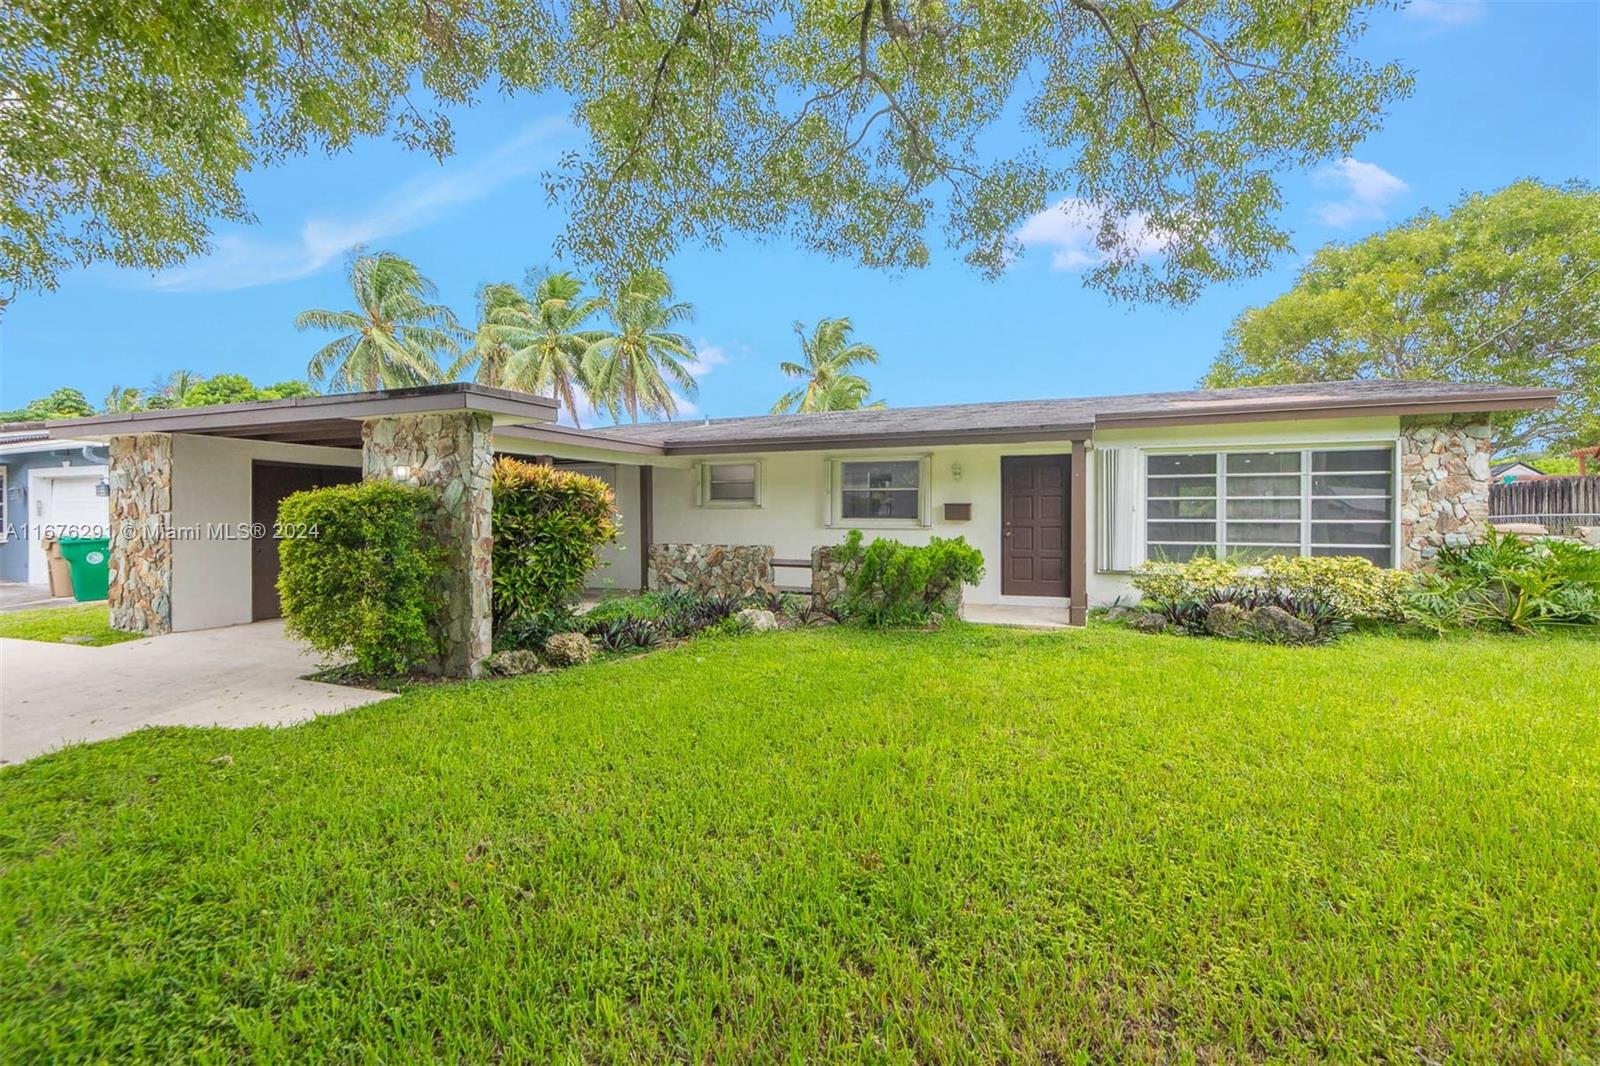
(1504, 90)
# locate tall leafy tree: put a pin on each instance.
(850, 127)
(534, 339)
(828, 382)
(1505, 288)
(636, 365)
(394, 336)
(65, 402)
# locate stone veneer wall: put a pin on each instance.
(712, 569)
(1444, 484)
(141, 549)
(453, 453)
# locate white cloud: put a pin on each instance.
(1367, 187)
(1446, 14)
(707, 357)
(241, 261)
(1072, 227)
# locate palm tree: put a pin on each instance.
(631, 367)
(530, 339)
(829, 353)
(172, 390)
(393, 339)
(123, 399)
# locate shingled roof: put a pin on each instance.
(1020, 420)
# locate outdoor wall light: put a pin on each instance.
(955, 471)
(102, 487)
(401, 473)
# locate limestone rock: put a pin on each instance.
(712, 569)
(568, 649)
(1227, 620)
(1277, 626)
(759, 620)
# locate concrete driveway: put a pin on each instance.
(55, 694)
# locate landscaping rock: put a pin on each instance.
(1277, 626)
(568, 649)
(513, 662)
(1227, 620)
(759, 621)
(1148, 621)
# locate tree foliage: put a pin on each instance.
(1505, 289)
(393, 338)
(62, 403)
(829, 382)
(849, 127)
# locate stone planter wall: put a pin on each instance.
(712, 569)
(829, 577)
(140, 592)
(452, 453)
(1444, 485)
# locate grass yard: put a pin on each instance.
(88, 623)
(833, 844)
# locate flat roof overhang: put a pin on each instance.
(331, 421)
(824, 442)
(1258, 411)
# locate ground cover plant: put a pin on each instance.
(1508, 582)
(88, 623)
(842, 844)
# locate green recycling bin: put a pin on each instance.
(90, 559)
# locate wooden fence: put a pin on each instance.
(1557, 503)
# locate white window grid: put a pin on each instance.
(1305, 545)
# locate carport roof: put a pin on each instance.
(322, 420)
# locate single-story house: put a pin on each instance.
(1513, 470)
(48, 487)
(1063, 497)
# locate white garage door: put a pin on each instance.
(64, 505)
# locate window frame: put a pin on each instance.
(703, 484)
(835, 484)
(1307, 546)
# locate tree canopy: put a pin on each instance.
(851, 128)
(64, 402)
(1504, 289)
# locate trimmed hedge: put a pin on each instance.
(1353, 587)
(549, 527)
(360, 574)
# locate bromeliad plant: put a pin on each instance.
(1506, 582)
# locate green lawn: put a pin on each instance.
(832, 844)
(89, 621)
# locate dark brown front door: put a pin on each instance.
(269, 484)
(1033, 531)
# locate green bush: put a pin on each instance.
(1506, 582)
(889, 583)
(549, 527)
(360, 574)
(1351, 586)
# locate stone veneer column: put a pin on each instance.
(141, 550)
(1444, 485)
(452, 453)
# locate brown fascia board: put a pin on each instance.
(881, 440)
(549, 433)
(1510, 400)
(219, 419)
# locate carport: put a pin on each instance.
(193, 492)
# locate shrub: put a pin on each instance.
(364, 580)
(1351, 586)
(1506, 582)
(889, 583)
(568, 649)
(1246, 612)
(549, 527)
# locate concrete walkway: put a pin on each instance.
(1015, 615)
(15, 596)
(55, 694)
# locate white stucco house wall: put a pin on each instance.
(1063, 497)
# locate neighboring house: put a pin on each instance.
(1513, 470)
(1063, 497)
(47, 485)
